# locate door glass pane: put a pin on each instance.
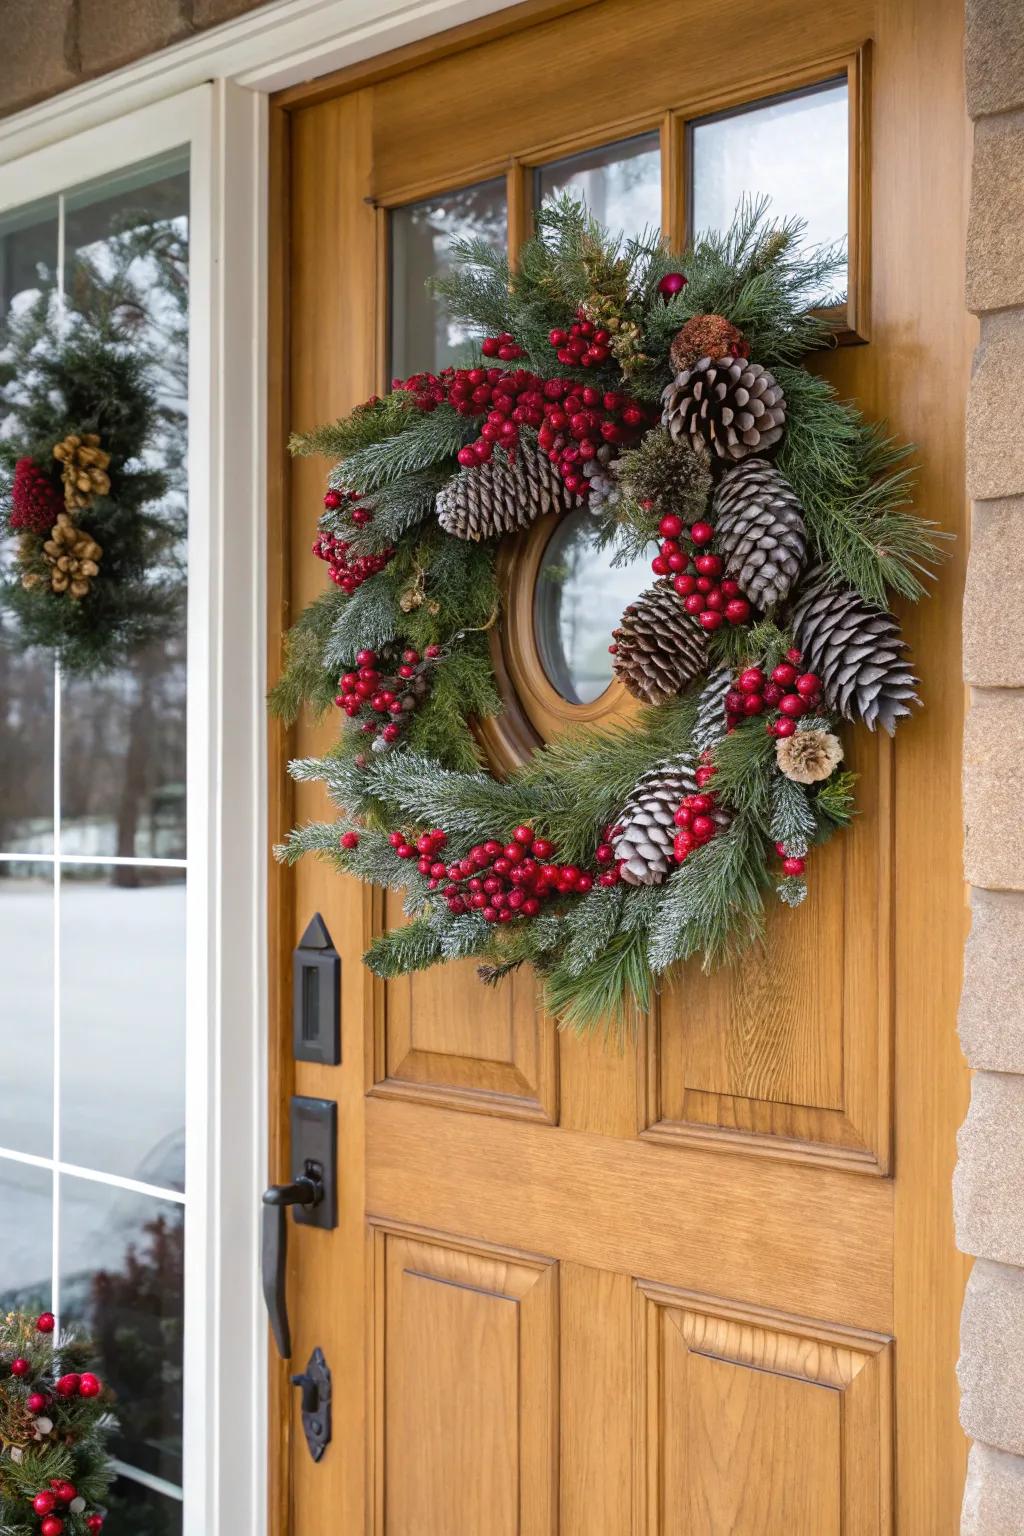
(141, 1511)
(26, 1008)
(122, 1257)
(122, 965)
(26, 1204)
(423, 337)
(576, 605)
(620, 183)
(792, 148)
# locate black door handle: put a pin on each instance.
(306, 1190)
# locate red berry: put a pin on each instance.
(793, 706)
(671, 526)
(708, 565)
(793, 867)
(466, 457)
(694, 603)
(753, 704)
(405, 852)
(89, 1386)
(43, 1502)
(530, 907)
(64, 1490)
(46, 1322)
(523, 835)
(772, 693)
(709, 619)
(794, 655)
(542, 849)
(604, 853)
(734, 701)
(737, 610)
(671, 284)
(584, 883)
(36, 1402)
(752, 680)
(349, 839)
(784, 674)
(20, 1367)
(94, 1524)
(702, 533)
(51, 1526)
(783, 727)
(808, 685)
(432, 651)
(703, 828)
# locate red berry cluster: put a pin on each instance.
(694, 818)
(372, 693)
(47, 1500)
(786, 695)
(572, 419)
(35, 500)
(791, 865)
(583, 345)
(505, 347)
(348, 572)
(697, 574)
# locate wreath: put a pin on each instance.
(666, 395)
(98, 566)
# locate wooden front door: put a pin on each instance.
(705, 1286)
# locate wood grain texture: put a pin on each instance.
(728, 1222)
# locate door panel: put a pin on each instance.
(691, 1286)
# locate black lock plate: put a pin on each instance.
(314, 1384)
(314, 1127)
(316, 997)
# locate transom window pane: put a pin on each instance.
(793, 148)
(576, 605)
(620, 183)
(423, 336)
(92, 876)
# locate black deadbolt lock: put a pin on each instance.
(316, 997)
(315, 1405)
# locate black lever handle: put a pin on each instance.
(308, 1189)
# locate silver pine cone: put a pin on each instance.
(659, 647)
(727, 405)
(856, 650)
(709, 726)
(759, 531)
(500, 497)
(647, 825)
(602, 475)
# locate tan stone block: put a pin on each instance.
(994, 595)
(995, 437)
(994, 1493)
(995, 272)
(39, 52)
(989, 1174)
(111, 35)
(991, 1365)
(209, 13)
(992, 1001)
(994, 61)
(994, 790)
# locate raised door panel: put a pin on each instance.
(466, 1390)
(446, 1039)
(758, 1425)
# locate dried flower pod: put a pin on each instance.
(808, 757)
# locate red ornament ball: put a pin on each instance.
(36, 1402)
(46, 1322)
(94, 1523)
(349, 839)
(44, 1501)
(793, 867)
(20, 1367)
(64, 1491)
(671, 284)
(68, 1385)
(53, 1525)
(89, 1386)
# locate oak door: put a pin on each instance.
(706, 1286)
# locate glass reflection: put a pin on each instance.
(620, 183)
(123, 1021)
(141, 1511)
(577, 602)
(794, 149)
(122, 1275)
(26, 1013)
(423, 336)
(26, 1201)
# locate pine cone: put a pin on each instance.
(501, 497)
(808, 757)
(759, 531)
(83, 469)
(73, 558)
(602, 473)
(729, 405)
(659, 647)
(710, 724)
(647, 822)
(705, 336)
(856, 650)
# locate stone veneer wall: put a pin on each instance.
(989, 1183)
(50, 45)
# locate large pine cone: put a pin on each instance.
(499, 497)
(710, 725)
(856, 650)
(759, 531)
(660, 648)
(647, 821)
(729, 405)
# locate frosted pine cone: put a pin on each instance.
(731, 406)
(499, 497)
(759, 531)
(659, 647)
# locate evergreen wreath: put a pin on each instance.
(96, 572)
(666, 394)
(55, 1468)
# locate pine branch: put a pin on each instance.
(414, 947)
(429, 437)
(306, 678)
(713, 904)
(834, 802)
(591, 926)
(793, 822)
(366, 425)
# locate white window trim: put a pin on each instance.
(211, 92)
